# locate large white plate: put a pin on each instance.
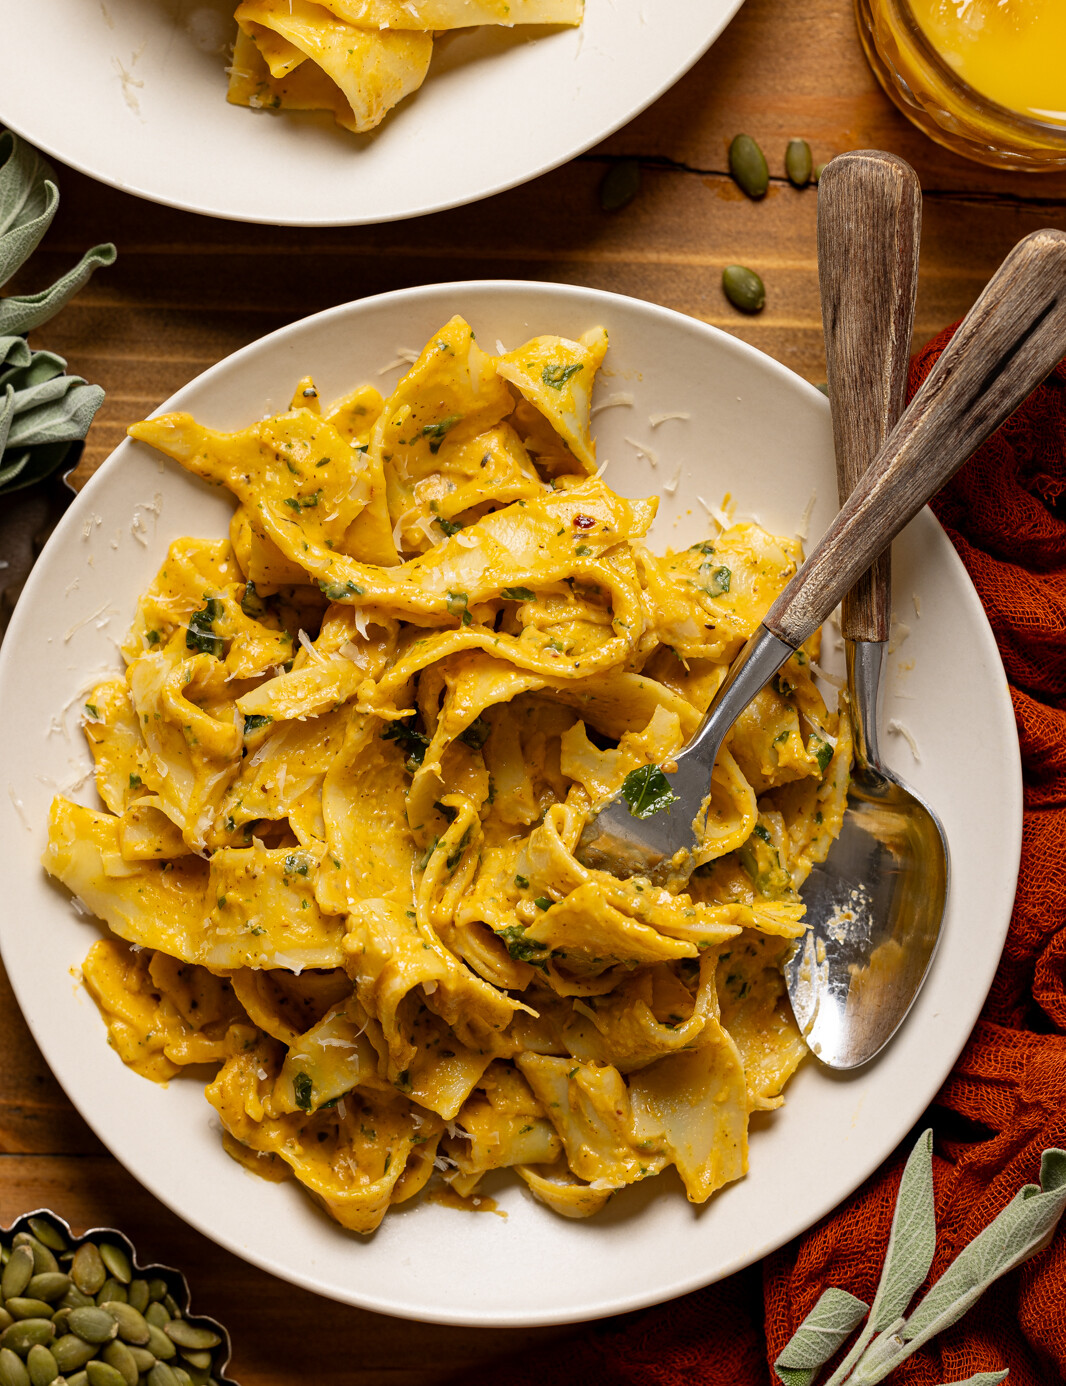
(133, 92)
(755, 430)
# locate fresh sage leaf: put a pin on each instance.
(1020, 1230)
(28, 202)
(647, 791)
(835, 1315)
(912, 1239)
(20, 314)
(7, 414)
(63, 420)
(15, 352)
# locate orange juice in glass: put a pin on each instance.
(986, 78)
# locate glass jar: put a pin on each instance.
(924, 62)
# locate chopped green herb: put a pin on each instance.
(93, 710)
(301, 1088)
(337, 591)
(718, 580)
(255, 720)
(522, 949)
(542, 902)
(152, 636)
(435, 432)
(522, 882)
(135, 781)
(821, 750)
(647, 791)
(201, 635)
(448, 527)
(476, 734)
(555, 377)
(296, 864)
(704, 546)
(519, 594)
(252, 604)
(457, 606)
(582, 551)
(413, 741)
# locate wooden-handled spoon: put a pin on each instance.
(875, 905)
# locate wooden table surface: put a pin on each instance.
(187, 291)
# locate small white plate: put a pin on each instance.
(133, 92)
(755, 430)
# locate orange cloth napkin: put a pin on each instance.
(1005, 1100)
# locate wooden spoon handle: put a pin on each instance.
(869, 230)
(1008, 342)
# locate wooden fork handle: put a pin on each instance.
(869, 231)
(1008, 342)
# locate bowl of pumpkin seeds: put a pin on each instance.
(82, 1311)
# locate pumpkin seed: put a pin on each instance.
(72, 1352)
(157, 1289)
(6, 1320)
(113, 1290)
(620, 185)
(78, 1379)
(24, 1333)
(159, 1344)
(93, 1325)
(61, 1319)
(117, 1262)
(200, 1359)
(187, 1335)
(87, 1270)
(28, 1308)
(48, 1235)
(798, 163)
(132, 1327)
(118, 1355)
(197, 1376)
(74, 1299)
(170, 1304)
(101, 1374)
(42, 1366)
(162, 1375)
(144, 1359)
(49, 1285)
(138, 1295)
(12, 1370)
(743, 288)
(747, 164)
(43, 1260)
(157, 1315)
(818, 171)
(181, 1376)
(17, 1273)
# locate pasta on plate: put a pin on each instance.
(347, 763)
(357, 58)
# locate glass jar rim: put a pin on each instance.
(1052, 131)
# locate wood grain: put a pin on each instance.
(869, 232)
(1008, 342)
(187, 291)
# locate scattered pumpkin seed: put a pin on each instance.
(747, 164)
(119, 1356)
(132, 1327)
(138, 1295)
(112, 1290)
(24, 1333)
(93, 1325)
(61, 1319)
(101, 1374)
(48, 1235)
(87, 1270)
(743, 288)
(25, 1308)
(6, 1320)
(42, 1366)
(620, 185)
(74, 1299)
(819, 169)
(78, 1379)
(159, 1344)
(157, 1289)
(72, 1352)
(170, 1304)
(49, 1285)
(798, 163)
(17, 1273)
(116, 1261)
(162, 1375)
(181, 1376)
(144, 1359)
(201, 1360)
(12, 1369)
(187, 1335)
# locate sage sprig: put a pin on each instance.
(1023, 1228)
(42, 409)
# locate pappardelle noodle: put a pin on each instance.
(348, 762)
(357, 58)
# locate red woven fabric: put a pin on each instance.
(1005, 1101)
